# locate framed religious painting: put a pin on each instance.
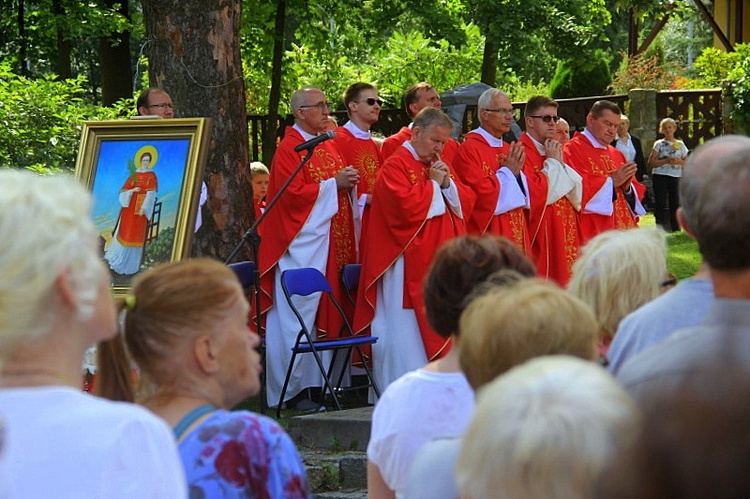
(146, 178)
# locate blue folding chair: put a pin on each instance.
(248, 276)
(304, 282)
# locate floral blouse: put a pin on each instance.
(242, 454)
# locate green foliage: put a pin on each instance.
(714, 65)
(160, 249)
(42, 120)
(581, 76)
(739, 76)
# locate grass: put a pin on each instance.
(683, 257)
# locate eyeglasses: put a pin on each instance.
(508, 112)
(322, 106)
(546, 118)
(669, 282)
(162, 106)
(371, 102)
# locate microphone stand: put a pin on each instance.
(252, 238)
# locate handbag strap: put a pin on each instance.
(190, 418)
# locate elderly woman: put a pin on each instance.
(186, 327)
(434, 400)
(54, 303)
(505, 324)
(666, 161)
(619, 271)
(544, 430)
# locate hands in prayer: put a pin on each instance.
(440, 173)
(347, 178)
(516, 158)
(624, 175)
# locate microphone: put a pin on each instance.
(315, 141)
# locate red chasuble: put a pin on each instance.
(131, 230)
(288, 216)
(596, 166)
(477, 164)
(364, 155)
(393, 144)
(553, 229)
(399, 226)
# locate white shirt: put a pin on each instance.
(63, 443)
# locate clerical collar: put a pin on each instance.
(491, 139)
(539, 146)
(411, 149)
(305, 136)
(593, 140)
(356, 131)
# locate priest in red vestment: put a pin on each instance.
(357, 148)
(611, 194)
(416, 205)
(311, 225)
(416, 98)
(137, 199)
(493, 169)
(555, 192)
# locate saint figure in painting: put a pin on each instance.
(137, 199)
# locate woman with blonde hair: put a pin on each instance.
(619, 271)
(185, 326)
(55, 302)
(666, 161)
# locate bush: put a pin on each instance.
(581, 76)
(739, 77)
(642, 71)
(42, 121)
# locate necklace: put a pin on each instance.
(36, 372)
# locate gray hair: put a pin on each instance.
(298, 98)
(722, 214)
(45, 231)
(699, 164)
(487, 97)
(544, 429)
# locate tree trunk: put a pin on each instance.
(194, 55)
(63, 44)
(269, 137)
(489, 61)
(114, 56)
(22, 39)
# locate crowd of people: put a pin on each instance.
(530, 341)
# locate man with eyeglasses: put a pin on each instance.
(555, 191)
(416, 98)
(493, 169)
(611, 194)
(357, 147)
(312, 225)
(155, 102)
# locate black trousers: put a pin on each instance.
(666, 188)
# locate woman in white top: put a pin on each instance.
(666, 161)
(54, 303)
(435, 400)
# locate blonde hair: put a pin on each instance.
(45, 230)
(664, 122)
(619, 271)
(258, 168)
(511, 324)
(544, 430)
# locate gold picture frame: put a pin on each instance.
(146, 180)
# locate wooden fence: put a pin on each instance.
(698, 114)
